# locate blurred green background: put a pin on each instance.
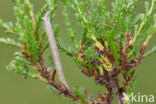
(16, 90)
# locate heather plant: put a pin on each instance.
(110, 44)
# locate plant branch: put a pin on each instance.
(143, 23)
(31, 13)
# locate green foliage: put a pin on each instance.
(79, 93)
(51, 89)
(112, 41)
(150, 51)
(96, 20)
(30, 40)
(20, 65)
(132, 85)
(52, 7)
(67, 49)
(68, 24)
(9, 41)
(51, 62)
